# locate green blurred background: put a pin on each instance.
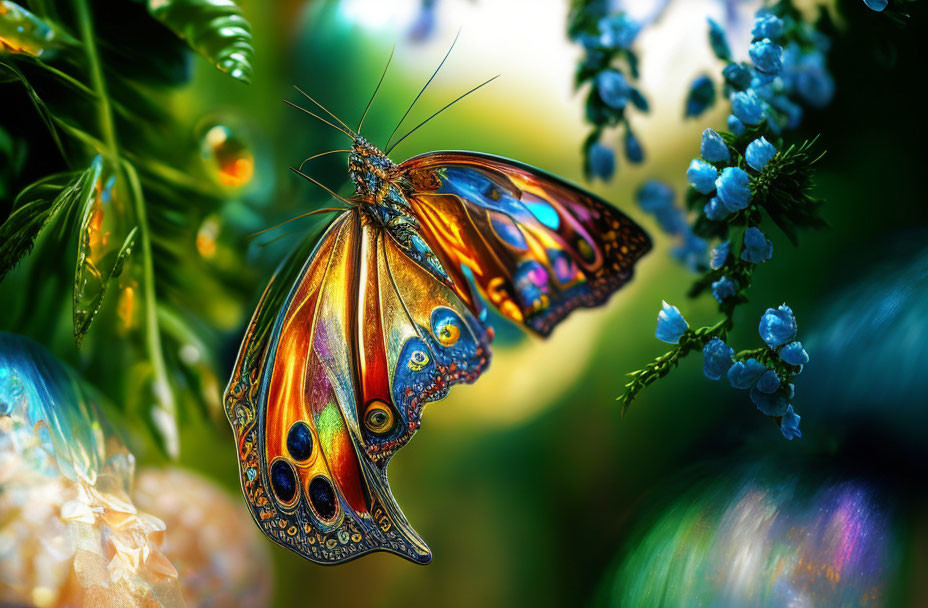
(528, 484)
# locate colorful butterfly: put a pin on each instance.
(386, 313)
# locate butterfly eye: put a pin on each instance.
(379, 418)
(449, 334)
(417, 360)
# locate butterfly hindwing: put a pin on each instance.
(536, 246)
(326, 390)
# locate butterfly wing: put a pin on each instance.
(535, 246)
(330, 380)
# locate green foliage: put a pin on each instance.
(214, 28)
(107, 204)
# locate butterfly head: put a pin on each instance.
(369, 168)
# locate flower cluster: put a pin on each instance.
(766, 372)
(787, 71)
(742, 182)
(610, 67)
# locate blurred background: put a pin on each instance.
(529, 486)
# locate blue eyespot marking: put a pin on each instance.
(283, 481)
(542, 210)
(300, 441)
(322, 498)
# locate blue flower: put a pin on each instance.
(745, 374)
(717, 358)
(756, 248)
(719, 255)
(723, 289)
(702, 176)
(759, 153)
(876, 5)
(613, 88)
(777, 327)
(734, 188)
(737, 75)
(633, 151)
(671, 220)
(654, 196)
(748, 107)
(717, 41)
(700, 96)
(768, 383)
(619, 31)
(601, 161)
(670, 324)
(767, 25)
(789, 425)
(715, 210)
(812, 80)
(767, 56)
(794, 354)
(713, 148)
(692, 251)
(735, 125)
(792, 112)
(771, 404)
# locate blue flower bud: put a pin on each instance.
(768, 383)
(717, 41)
(759, 153)
(715, 210)
(734, 188)
(748, 107)
(789, 425)
(637, 99)
(744, 374)
(700, 96)
(794, 354)
(737, 75)
(692, 251)
(601, 160)
(713, 148)
(618, 32)
(723, 289)
(767, 25)
(775, 404)
(633, 150)
(717, 358)
(654, 196)
(876, 5)
(792, 112)
(813, 82)
(735, 125)
(756, 248)
(670, 324)
(719, 255)
(767, 56)
(613, 88)
(778, 326)
(702, 176)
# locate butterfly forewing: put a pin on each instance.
(536, 246)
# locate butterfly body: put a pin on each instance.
(385, 314)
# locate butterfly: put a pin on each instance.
(386, 312)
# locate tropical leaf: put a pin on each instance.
(214, 28)
(19, 231)
(84, 312)
(23, 32)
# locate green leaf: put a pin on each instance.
(23, 32)
(214, 28)
(19, 232)
(103, 219)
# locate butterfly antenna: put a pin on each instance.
(321, 185)
(414, 129)
(382, 76)
(309, 158)
(324, 109)
(434, 74)
(290, 103)
(293, 219)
